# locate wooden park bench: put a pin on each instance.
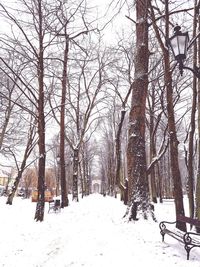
(54, 205)
(190, 239)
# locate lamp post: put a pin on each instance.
(179, 44)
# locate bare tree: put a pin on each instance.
(136, 154)
(31, 142)
(190, 166)
(85, 79)
(31, 46)
(121, 68)
(10, 100)
(178, 193)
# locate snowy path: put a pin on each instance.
(91, 233)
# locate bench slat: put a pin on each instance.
(177, 235)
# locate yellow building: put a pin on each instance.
(5, 179)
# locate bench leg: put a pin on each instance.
(187, 248)
(51, 208)
(57, 208)
(162, 230)
(163, 235)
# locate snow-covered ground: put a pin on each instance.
(91, 233)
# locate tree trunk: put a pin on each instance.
(138, 189)
(190, 182)
(88, 176)
(175, 171)
(197, 194)
(82, 179)
(118, 171)
(75, 175)
(14, 188)
(178, 193)
(64, 195)
(159, 184)
(39, 214)
(152, 148)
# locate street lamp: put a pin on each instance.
(179, 44)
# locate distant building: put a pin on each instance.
(96, 186)
(7, 178)
(4, 178)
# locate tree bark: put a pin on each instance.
(138, 189)
(75, 175)
(152, 151)
(173, 141)
(197, 193)
(190, 182)
(118, 171)
(39, 214)
(64, 195)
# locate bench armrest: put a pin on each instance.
(162, 224)
(163, 228)
(188, 236)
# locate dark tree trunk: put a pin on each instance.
(159, 184)
(153, 189)
(64, 195)
(14, 188)
(190, 166)
(82, 179)
(197, 193)
(88, 182)
(85, 184)
(126, 192)
(173, 142)
(39, 214)
(136, 154)
(118, 171)
(178, 193)
(75, 175)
